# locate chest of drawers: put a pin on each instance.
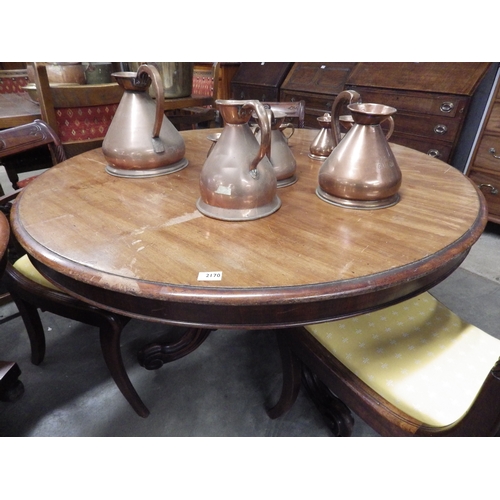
(484, 168)
(317, 84)
(259, 80)
(432, 100)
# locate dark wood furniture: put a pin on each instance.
(317, 84)
(259, 80)
(31, 292)
(79, 114)
(17, 109)
(24, 138)
(205, 88)
(12, 81)
(426, 373)
(432, 100)
(484, 167)
(296, 109)
(11, 388)
(136, 247)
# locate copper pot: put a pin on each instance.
(141, 141)
(362, 171)
(237, 181)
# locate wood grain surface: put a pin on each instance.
(108, 239)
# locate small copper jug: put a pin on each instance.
(322, 145)
(141, 141)
(362, 171)
(237, 181)
(281, 156)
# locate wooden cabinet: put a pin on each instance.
(432, 100)
(317, 84)
(484, 168)
(259, 80)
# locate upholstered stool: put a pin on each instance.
(418, 355)
(26, 268)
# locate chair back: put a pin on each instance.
(12, 81)
(292, 109)
(79, 114)
(206, 81)
(24, 138)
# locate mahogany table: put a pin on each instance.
(17, 109)
(138, 246)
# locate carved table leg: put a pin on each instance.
(291, 368)
(337, 415)
(153, 356)
(11, 388)
(110, 346)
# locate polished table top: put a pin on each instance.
(137, 246)
(17, 109)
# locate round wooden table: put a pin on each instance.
(138, 246)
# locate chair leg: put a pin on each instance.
(337, 415)
(110, 345)
(34, 328)
(291, 368)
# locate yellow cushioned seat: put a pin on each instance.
(25, 267)
(418, 355)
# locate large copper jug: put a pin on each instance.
(141, 141)
(362, 171)
(237, 181)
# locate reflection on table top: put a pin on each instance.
(115, 239)
(17, 109)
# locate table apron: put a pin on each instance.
(260, 315)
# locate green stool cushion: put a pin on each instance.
(418, 355)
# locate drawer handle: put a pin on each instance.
(435, 153)
(491, 187)
(440, 129)
(446, 107)
(493, 153)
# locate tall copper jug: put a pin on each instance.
(362, 171)
(237, 181)
(141, 141)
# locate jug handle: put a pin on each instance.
(265, 133)
(390, 119)
(284, 126)
(154, 74)
(348, 97)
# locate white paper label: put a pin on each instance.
(210, 276)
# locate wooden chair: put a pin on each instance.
(12, 81)
(11, 388)
(79, 114)
(205, 89)
(292, 109)
(31, 292)
(412, 369)
(25, 138)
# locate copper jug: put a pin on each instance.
(362, 171)
(237, 181)
(322, 145)
(281, 156)
(141, 141)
